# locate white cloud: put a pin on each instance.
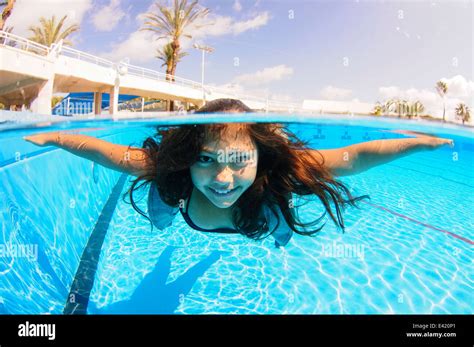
(237, 6)
(27, 13)
(460, 90)
(459, 87)
(265, 76)
(107, 17)
(138, 47)
(334, 93)
(259, 92)
(389, 92)
(223, 25)
(251, 24)
(141, 46)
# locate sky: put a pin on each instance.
(293, 50)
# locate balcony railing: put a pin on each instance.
(74, 53)
(9, 39)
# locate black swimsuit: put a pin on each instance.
(194, 226)
(162, 216)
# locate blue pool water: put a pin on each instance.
(407, 250)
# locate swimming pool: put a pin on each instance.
(66, 229)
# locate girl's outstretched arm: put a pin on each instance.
(130, 160)
(363, 156)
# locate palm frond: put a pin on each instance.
(170, 23)
(50, 32)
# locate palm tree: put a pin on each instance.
(398, 106)
(378, 109)
(463, 112)
(403, 108)
(388, 106)
(51, 32)
(442, 89)
(171, 23)
(7, 6)
(415, 109)
(166, 55)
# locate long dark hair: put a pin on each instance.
(284, 167)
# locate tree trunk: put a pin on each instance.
(172, 72)
(172, 68)
(168, 73)
(7, 11)
(176, 48)
(444, 112)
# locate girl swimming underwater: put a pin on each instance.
(238, 177)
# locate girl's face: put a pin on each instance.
(226, 167)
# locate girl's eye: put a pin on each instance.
(205, 159)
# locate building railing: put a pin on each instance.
(124, 68)
(74, 53)
(12, 40)
(159, 76)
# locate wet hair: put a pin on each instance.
(284, 167)
(224, 105)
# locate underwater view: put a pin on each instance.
(219, 162)
(407, 249)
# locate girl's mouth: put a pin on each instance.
(222, 192)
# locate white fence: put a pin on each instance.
(9, 39)
(124, 68)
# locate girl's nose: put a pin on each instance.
(225, 176)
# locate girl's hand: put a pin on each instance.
(435, 142)
(431, 141)
(43, 139)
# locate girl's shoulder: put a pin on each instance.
(160, 213)
(277, 222)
